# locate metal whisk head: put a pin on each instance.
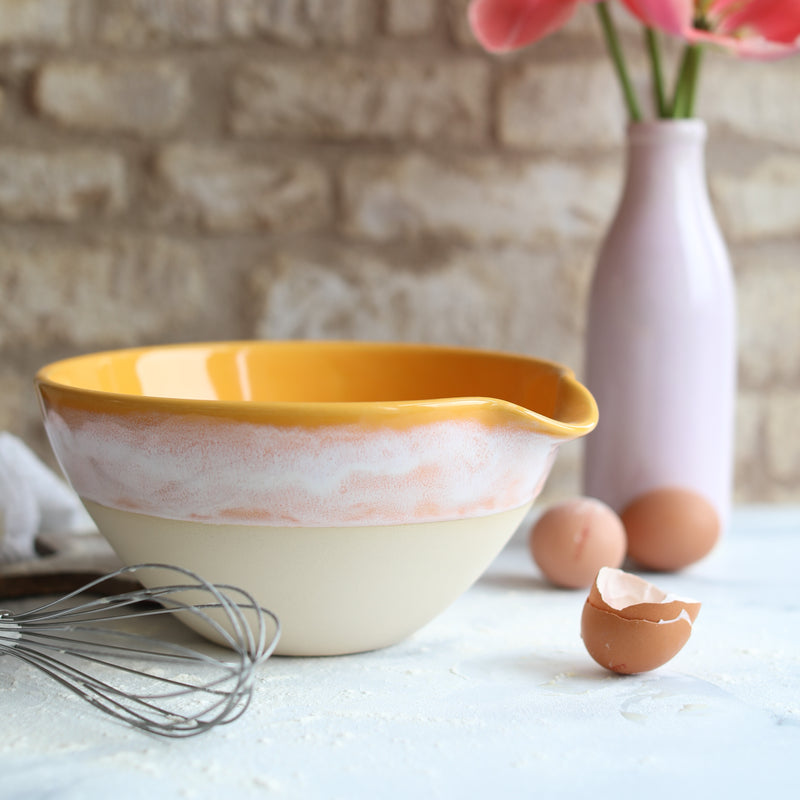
(85, 642)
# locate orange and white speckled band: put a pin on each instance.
(192, 467)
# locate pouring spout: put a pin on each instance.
(553, 403)
(575, 408)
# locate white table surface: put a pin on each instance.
(496, 697)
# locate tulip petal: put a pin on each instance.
(671, 16)
(504, 25)
(775, 20)
(750, 48)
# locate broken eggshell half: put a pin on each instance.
(628, 625)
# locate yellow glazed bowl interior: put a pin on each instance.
(356, 489)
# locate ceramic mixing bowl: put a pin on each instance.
(354, 489)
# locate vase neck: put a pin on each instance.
(667, 131)
(666, 156)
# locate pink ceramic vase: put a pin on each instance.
(661, 339)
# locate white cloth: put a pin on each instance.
(33, 500)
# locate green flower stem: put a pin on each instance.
(686, 85)
(618, 59)
(691, 95)
(654, 51)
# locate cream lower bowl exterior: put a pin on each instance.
(335, 590)
(354, 489)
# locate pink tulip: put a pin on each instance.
(504, 25)
(749, 28)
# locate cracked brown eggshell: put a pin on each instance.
(629, 626)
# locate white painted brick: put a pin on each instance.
(478, 199)
(13, 393)
(35, 21)
(301, 23)
(148, 97)
(134, 23)
(459, 26)
(90, 296)
(411, 17)
(783, 433)
(750, 447)
(575, 103)
(753, 99)
(65, 186)
(768, 288)
(761, 202)
(500, 298)
(345, 98)
(226, 191)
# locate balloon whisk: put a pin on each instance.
(89, 643)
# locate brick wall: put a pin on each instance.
(191, 169)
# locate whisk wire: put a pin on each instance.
(76, 644)
(90, 651)
(131, 707)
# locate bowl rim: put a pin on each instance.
(579, 422)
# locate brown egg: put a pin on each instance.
(629, 626)
(572, 540)
(670, 528)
